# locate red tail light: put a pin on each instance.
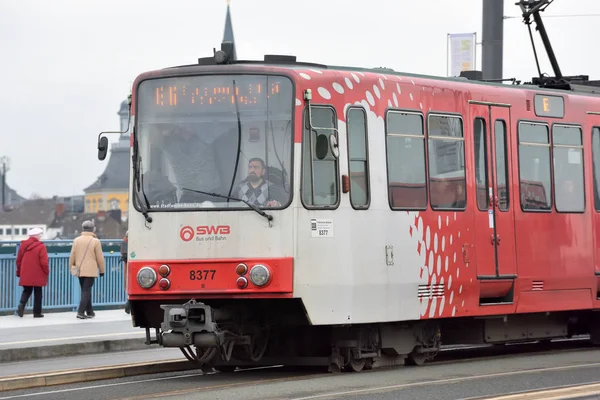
(164, 270)
(241, 269)
(241, 282)
(164, 284)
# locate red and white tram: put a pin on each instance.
(301, 213)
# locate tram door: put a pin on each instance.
(494, 212)
(595, 118)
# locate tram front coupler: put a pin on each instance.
(195, 323)
(192, 323)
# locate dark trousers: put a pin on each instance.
(37, 298)
(85, 305)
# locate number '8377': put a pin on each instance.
(202, 275)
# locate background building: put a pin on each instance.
(38, 213)
(111, 189)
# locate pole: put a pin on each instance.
(542, 29)
(4, 161)
(492, 39)
(3, 186)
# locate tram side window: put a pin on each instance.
(596, 166)
(534, 166)
(447, 182)
(481, 180)
(358, 160)
(567, 154)
(502, 165)
(319, 166)
(405, 152)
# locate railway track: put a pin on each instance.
(458, 365)
(447, 355)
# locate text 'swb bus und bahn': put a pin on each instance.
(294, 213)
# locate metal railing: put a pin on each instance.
(63, 291)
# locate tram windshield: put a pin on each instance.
(229, 136)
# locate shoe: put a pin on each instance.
(91, 315)
(21, 310)
(38, 316)
(82, 316)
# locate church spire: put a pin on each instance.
(228, 34)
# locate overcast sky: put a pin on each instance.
(66, 65)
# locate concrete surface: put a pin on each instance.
(87, 362)
(62, 334)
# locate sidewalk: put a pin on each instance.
(62, 334)
(61, 342)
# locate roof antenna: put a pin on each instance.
(228, 33)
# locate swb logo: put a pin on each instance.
(187, 232)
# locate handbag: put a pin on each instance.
(74, 268)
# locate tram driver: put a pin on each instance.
(257, 189)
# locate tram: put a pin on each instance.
(298, 213)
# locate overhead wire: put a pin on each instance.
(557, 16)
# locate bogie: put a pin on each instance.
(355, 348)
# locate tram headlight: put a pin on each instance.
(260, 275)
(146, 277)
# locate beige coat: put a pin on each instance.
(94, 259)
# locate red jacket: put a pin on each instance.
(32, 263)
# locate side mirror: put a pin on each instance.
(102, 148)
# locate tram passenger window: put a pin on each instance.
(596, 166)
(501, 165)
(406, 160)
(447, 180)
(357, 161)
(567, 154)
(319, 166)
(481, 181)
(534, 166)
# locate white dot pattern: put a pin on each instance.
(338, 88)
(324, 93)
(436, 236)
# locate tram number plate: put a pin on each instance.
(202, 274)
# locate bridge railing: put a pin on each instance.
(63, 291)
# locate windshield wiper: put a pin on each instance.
(146, 206)
(252, 206)
(137, 181)
(239, 145)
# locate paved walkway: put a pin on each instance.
(60, 341)
(64, 328)
(59, 364)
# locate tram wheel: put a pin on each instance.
(356, 365)
(415, 358)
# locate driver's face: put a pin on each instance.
(255, 171)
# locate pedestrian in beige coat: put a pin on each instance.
(86, 256)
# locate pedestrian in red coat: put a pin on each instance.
(33, 271)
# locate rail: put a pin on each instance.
(63, 291)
